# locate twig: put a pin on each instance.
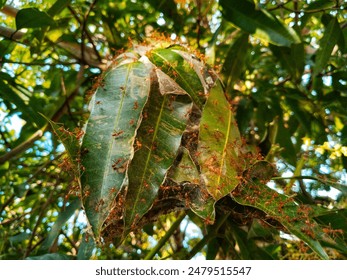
(73, 12)
(69, 240)
(23, 146)
(84, 27)
(9, 10)
(7, 145)
(12, 34)
(212, 234)
(167, 235)
(39, 219)
(305, 192)
(9, 200)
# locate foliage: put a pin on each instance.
(160, 146)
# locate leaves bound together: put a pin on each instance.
(138, 116)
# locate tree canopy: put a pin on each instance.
(223, 124)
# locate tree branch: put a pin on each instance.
(23, 146)
(73, 48)
(11, 34)
(9, 10)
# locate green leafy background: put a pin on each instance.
(281, 86)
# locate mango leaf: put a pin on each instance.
(326, 45)
(258, 22)
(57, 7)
(300, 112)
(201, 203)
(170, 10)
(291, 58)
(107, 146)
(335, 224)
(11, 93)
(32, 18)
(219, 145)
(183, 71)
(297, 219)
(257, 229)
(186, 170)
(19, 237)
(235, 60)
(6, 46)
(318, 5)
(63, 217)
(249, 250)
(164, 117)
(85, 251)
(70, 142)
(283, 138)
(2, 3)
(53, 256)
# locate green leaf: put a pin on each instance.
(107, 146)
(57, 7)
(186, 170)
(184, 70)
(19, 237)
(304, 118)
(219, 145)
(70, 142)
(10, 93)
(235, 60)
(85, 251)
(32, 18)
(258, 230)
(200, 202)
(319, 5)
(53, 256)
(258, 22)
(283, 138)
(165, 117)
(170, 10)
(291, 58)
(249, 250)
(6, 47)
(326, 45)
(2, 3)
(63, 217)
(296, 218)
(335, 225)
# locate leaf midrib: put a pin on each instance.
(109, 160)
(224, 148)
(148, 156)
